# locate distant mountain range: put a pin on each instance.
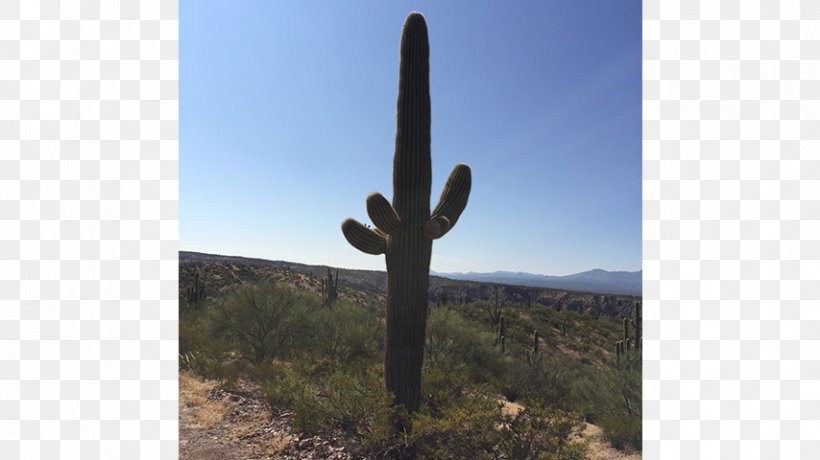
(596, 280)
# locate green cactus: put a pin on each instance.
(462, 295)
(330, 289)
(535, 342)
(196, 293)
(626, 328)
(618, 351)
(494, 310)
(406, 229)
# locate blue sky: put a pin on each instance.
(287, 122)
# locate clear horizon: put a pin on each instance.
(384, 268)
(287, 122)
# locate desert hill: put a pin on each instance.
(220, 273)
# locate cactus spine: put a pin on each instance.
(405, 229)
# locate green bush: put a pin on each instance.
(466, 429)
(198, 349)
(620, 395)
(537, 432)
(352, 400)
(262, 321)
(477, 427)
(622, 432)
(345, 333)
(546, 380)
(461, 349)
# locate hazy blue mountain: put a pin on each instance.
(596, 280)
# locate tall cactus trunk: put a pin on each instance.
(408, 250)
(406, 229)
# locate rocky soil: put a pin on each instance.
(235, 424)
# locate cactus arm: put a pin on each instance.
(436, 227)
(363, 238)
(454, 197)
(382, 214)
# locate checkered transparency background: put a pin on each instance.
(88, 229)
(731, 229)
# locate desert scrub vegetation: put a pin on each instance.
(324, 362)
(475, 426)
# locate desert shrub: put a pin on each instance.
(546, 380)
(264, 372)
(620, 395)
(460, 349)
(197, 348)
(622, 432)
(467, 428)
(585, 396)
(341, 335)
(225, 373)
(193, 361)
(537, 432)
(261, 321)
(352, 400)
(476, 427)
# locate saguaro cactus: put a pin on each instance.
(330, 289)
(626, 328)
(196, 293)
(406, 229)
(535, 342)
(494, 310)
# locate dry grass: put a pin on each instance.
(223, 429)
(510, 408)
(199, 412)
(599, 449)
